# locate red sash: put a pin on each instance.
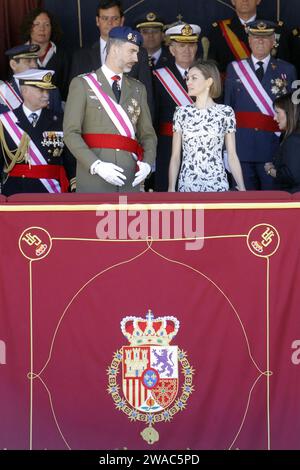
(114, 141)
(254, 120)
(42, 171)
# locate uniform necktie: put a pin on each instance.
(116, 87)
(185, 75)
(33, 117)
(260, 71)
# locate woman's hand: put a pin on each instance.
(270, 169)
(268, 166)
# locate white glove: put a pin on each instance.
(110, 172)
(142, 173)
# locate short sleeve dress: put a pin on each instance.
(203, 130)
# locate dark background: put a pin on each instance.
(202, 12)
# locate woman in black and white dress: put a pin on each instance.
(199, 131)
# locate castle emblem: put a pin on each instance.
(150, 369)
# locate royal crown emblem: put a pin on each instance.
(47, 77)
(151, 16)
(150, 372)
(187, 30)
(261, 26)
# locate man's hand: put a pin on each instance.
(142, 173)
(111, 173)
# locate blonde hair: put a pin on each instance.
(209, 69)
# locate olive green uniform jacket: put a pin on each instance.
(84, 114)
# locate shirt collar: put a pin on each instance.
(244, 23)
(109, 73)
(156, 55)
(265, 61)
(181, 70)
(28, 111)
(102, 44)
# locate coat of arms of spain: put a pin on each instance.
(152, 372)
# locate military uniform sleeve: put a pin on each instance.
(229, 95)
(294, 42)
(144, 130)
(142, 72)
(73, 123)
(69, 163)
(288, 171)
(282, 37)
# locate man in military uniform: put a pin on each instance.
(109, 15)
(22, 58)
(170, 90)
(229, 41)
(250, 88)
(33, 158)
(107, 122)
(151, 28)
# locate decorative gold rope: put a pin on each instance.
(17, 155)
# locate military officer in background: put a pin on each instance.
(33, 158)
(170, 90)
(250, 88)
(151, 28)
(22, 58)
(107, 122)
(109, 15)
(228, 38)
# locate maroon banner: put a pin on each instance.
(150, 324)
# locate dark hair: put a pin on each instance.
(28, 20)
(292, 110)
(106, 4)
(209, 69)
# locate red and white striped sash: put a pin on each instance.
(9, 121)
(114, 110)
(172, 86)
(9, 96)
(254, 87)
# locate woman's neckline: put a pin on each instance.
(206, 108)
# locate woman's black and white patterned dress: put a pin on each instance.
(203, 131)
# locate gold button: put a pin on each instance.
(117, 150)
